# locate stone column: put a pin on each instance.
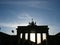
(23, 36)
(18, 38)
(36, 38)
(47, 38)
(41, 38)
(29, 36)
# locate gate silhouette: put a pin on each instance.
(32, 28)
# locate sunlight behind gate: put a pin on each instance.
(32, 37)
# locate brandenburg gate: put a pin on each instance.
(33, 28)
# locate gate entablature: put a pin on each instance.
(38, 29)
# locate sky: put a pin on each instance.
(15, 13)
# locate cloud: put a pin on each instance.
(25, 16)
(22, 19)
(54, 29)
(14, 25)
(36, 4)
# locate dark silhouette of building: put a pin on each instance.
(54, 39)
(6, 39)
(32, 28)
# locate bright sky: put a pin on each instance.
(17, 12)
